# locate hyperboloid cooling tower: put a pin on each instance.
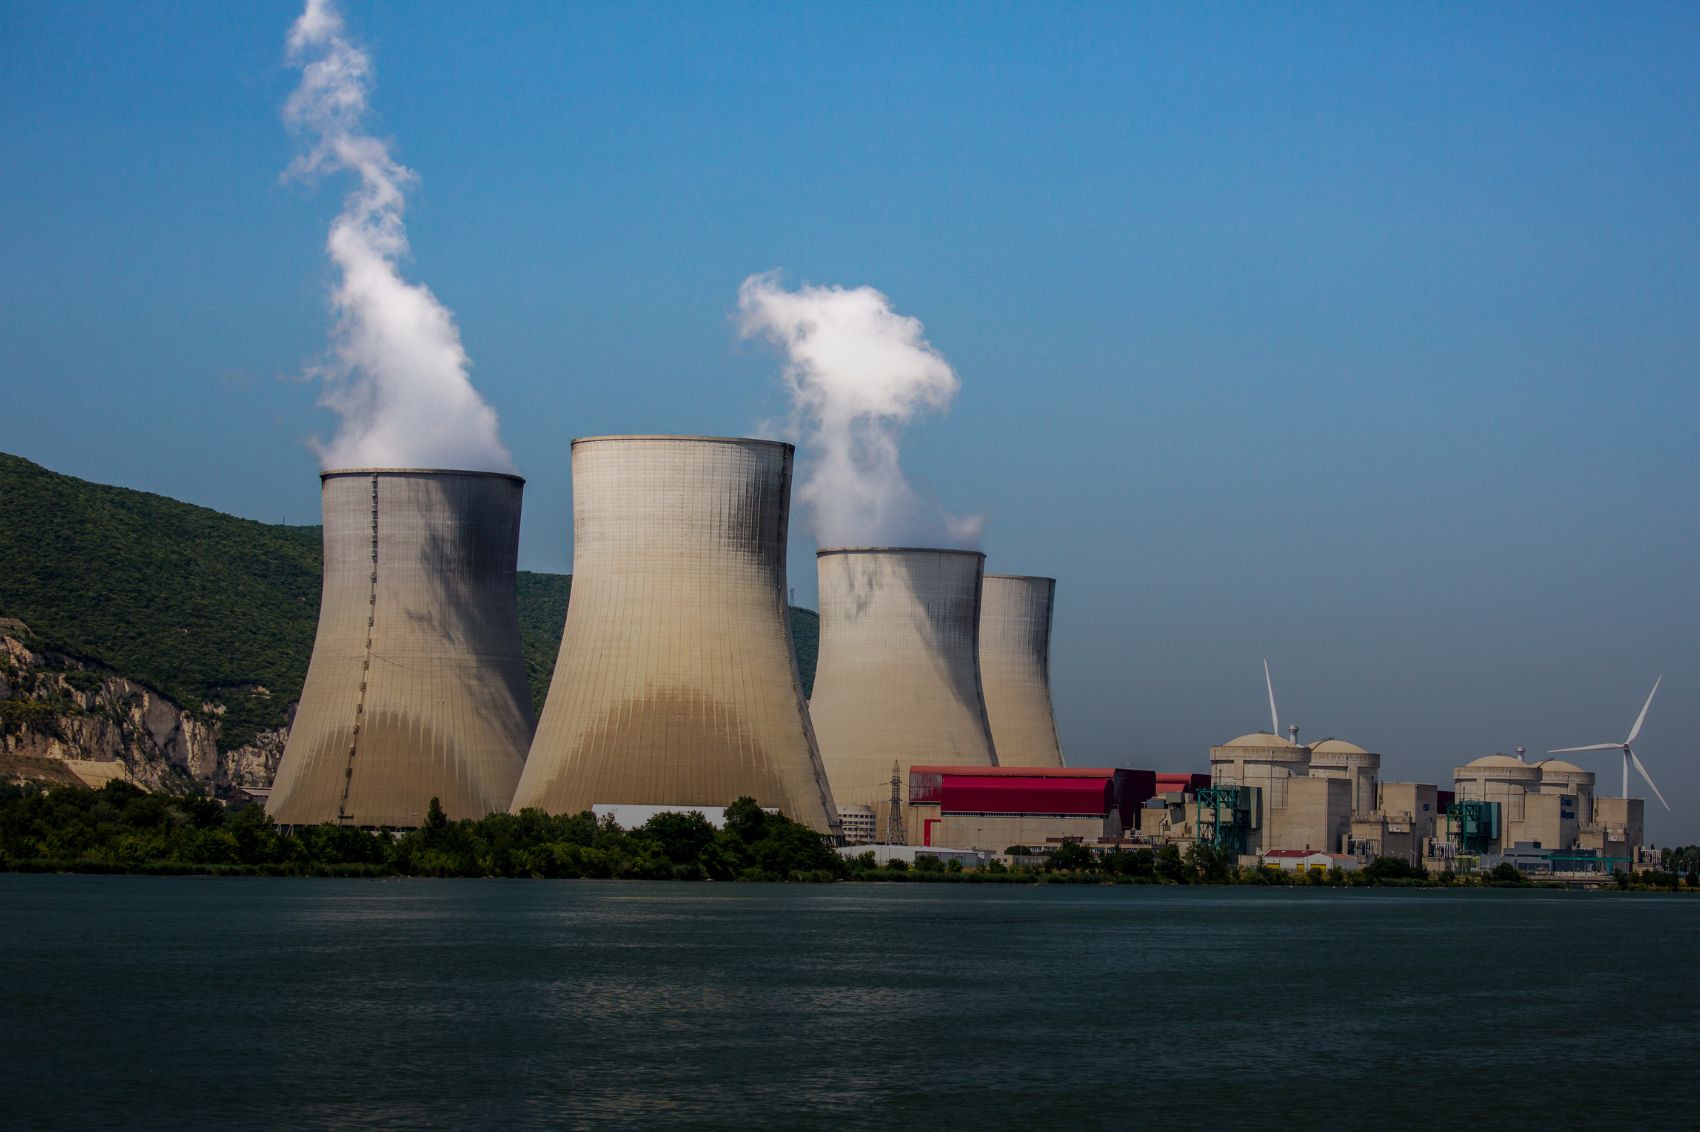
(899, 670)
(417, 684)
(1015, 668)
(676, 682)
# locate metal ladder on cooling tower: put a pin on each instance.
(343, 817)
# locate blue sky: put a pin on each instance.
(1364, 338)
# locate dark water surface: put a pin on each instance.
(193, 1002)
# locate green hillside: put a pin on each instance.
(542, 614)
(198, 605)
(805, 638)
(201, 606)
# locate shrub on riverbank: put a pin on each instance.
(120, 829)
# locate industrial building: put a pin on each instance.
(1015, 668)
(993, 808)
(1509, 809)
(1266, 796)
(676, 682)
(1402, 825)
(898, 677)
(1336, 758)
(1274, 793)
(1308, 860)
(416, 688)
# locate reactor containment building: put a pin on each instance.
(1015, 668)
(677, 683)
(898, 678)
(416, 688)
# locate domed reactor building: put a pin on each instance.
(677, 683)
(898, 677)
(416, 689)
(1015, 668)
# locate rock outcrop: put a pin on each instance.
(66, 722)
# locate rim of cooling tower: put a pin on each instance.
(825, 550)
(677, 436)
(329, 472)
(1022, 577)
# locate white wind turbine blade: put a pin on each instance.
(1642, 718)
(1589, 747)
(1636, 759)
(1274, 719)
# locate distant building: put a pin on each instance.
(1303, 860)
(633, 817)
(1275, 801)
(1336, 758)
(992, 808)
(1506, 809)
(857, 822)
(1402, 824)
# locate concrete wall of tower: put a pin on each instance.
(416, 688)
(1015, 668)
(899, 671)
(676, 682)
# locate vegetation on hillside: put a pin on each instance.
(201, 606)
(805, 638)
(542, 615)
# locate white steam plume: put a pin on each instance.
(396, 372)
(856, 371)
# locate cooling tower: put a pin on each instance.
(899, 669)
(676, 682)
(417, 685)
(1015, 668)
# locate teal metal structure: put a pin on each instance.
(1475, 825)
(1230, 802)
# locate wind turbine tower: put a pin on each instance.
(1629, 755)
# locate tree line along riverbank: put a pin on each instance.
(120, 829)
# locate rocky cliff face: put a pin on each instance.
(62, 721)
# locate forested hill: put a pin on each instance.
(201, 606)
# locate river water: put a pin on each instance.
(201, 1002)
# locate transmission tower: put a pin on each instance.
(894, 815)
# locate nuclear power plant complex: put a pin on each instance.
(416, 688)
(930, 725)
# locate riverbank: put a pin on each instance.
(120, 830)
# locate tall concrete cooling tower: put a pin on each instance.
(417, 684)
(676, 682)
(899, 669)
(1015, 668)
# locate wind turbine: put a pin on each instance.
(1274, 717)
(1629, 755)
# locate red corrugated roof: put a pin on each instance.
(1019, 771)
(1027, 794)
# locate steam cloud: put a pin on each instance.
(396, 371)
(857, 371)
